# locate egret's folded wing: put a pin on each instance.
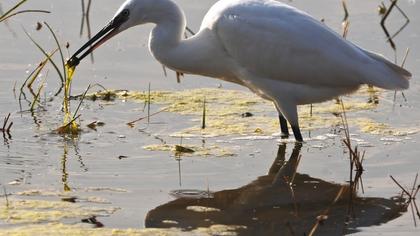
(281, 43)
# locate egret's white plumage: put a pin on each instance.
(277, 51)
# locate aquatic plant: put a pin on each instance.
(11, 12)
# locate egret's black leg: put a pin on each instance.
(283, 127)
(296, 132)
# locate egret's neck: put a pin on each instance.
(168, 32)
(199, 54)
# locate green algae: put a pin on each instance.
(38, 217)
(83, 229)
(37, 211)
(224, 109)
(372, 127)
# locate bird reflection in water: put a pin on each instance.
(283, 202)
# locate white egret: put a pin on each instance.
(277, 51)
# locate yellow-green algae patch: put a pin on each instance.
(231, 125)
(224, 109)
(373, 127)
(190, 102)
(17, 211)
(37, 217)
(82, 230)
(63, 195)
(211, 150)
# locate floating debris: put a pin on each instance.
(202, 209)
(189, 150)
(95, 124)
(180, 149)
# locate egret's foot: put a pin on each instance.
(283, 127)
(284, 135)
(298, 135)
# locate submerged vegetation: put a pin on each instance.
(70, 126)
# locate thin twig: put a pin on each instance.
(88, 27)
(319, 219)
(131, 123)
(345, 22)
(36, 98)
(6, 119)
(148, 105)
(385, 16)
(399, 185)
(411, 197)
(405, 24)
(81, 101)
(12, 9)
(5, 196)
(203, 121)
(24, 11)
(83, 18)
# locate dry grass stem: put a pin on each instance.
(407, 21)
(37, 96)
(6, 125)
(345, 22)
(411, 197)
(6, 198)
(356, 164)
(81, 101)
(384, 17)
(24, 11)
(132, 123)
(385, 13)
(407, 51)
(86, 19)
(324, 215)
(203, 121)
(148, 104)
(2, 17)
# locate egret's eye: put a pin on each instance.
(126, 12)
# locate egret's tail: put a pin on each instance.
(387, 75)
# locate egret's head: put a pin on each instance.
(131, 13)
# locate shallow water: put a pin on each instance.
(110, 168)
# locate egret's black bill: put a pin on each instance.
(101, 37)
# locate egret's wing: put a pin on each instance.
(275, 41)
